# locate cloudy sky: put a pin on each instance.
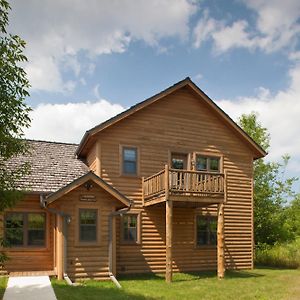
(89, 60)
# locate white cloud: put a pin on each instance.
(68, 122)
(56, 32)
(204, 28)
(277, 27)
(279, 113)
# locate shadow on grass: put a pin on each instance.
(93, 292)
(190, 276)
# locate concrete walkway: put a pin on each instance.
(29, 288)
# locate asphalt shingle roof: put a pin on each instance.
(53, 165)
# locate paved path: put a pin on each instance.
(29, 288)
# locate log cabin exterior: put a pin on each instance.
(165, 186)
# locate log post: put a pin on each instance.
(169, 229)
(169, 233)
(59, 247)
(220, 242)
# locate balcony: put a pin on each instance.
(195, 187)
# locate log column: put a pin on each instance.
(169, 235)
(169, 229)
(59, 247)
(220, 241)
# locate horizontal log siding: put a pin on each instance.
(91, 159)
(26, 259)
(87, 261)
(180, 122)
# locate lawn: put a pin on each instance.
(257, 284)
(3, 283)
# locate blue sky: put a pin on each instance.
(89, 60)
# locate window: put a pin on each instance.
(129, 161)
(130, 228)
(179, 161)
(25, 229)
(88, 225)
(206, 227)
(209, 164)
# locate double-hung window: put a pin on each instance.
(129, 228)
(88, 225)
(206, 227)
(25, 229)
(129, 161)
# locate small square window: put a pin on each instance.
(201, 163)
(129, 163)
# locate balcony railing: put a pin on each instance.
(173, 182)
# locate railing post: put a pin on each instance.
(225, 186)
(167, 183)
(143, 191)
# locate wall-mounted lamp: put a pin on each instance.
(88, 185)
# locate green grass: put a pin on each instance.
(284, 255)
(3, 283)
(257, 284)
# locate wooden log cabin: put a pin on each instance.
(166, 186)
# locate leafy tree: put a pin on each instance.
(292, 216)
(271, 189)
(14, 112)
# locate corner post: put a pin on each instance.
(169, 229)
(59, 245)
(220, 242)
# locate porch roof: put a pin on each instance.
(90, 176)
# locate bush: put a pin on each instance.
(281, 255)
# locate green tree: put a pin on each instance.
(271, 189)
(14, 112)
(292, 216)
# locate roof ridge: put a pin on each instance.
(51, 142)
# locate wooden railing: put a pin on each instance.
(183, 182)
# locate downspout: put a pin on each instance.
(110, 246)
(66, 221)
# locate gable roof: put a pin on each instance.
(257, 149)
(52, 166)
(83, 179)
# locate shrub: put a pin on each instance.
(280, 255)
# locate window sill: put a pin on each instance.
(87, 244)
(201, 247)
(26, 249)
(130, 243)
(136, 176)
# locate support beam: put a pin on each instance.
(59, 245)
(220, 242)
(169, 236)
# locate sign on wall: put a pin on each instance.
(87, 198)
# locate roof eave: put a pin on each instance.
(81, 180)
(257, 150)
